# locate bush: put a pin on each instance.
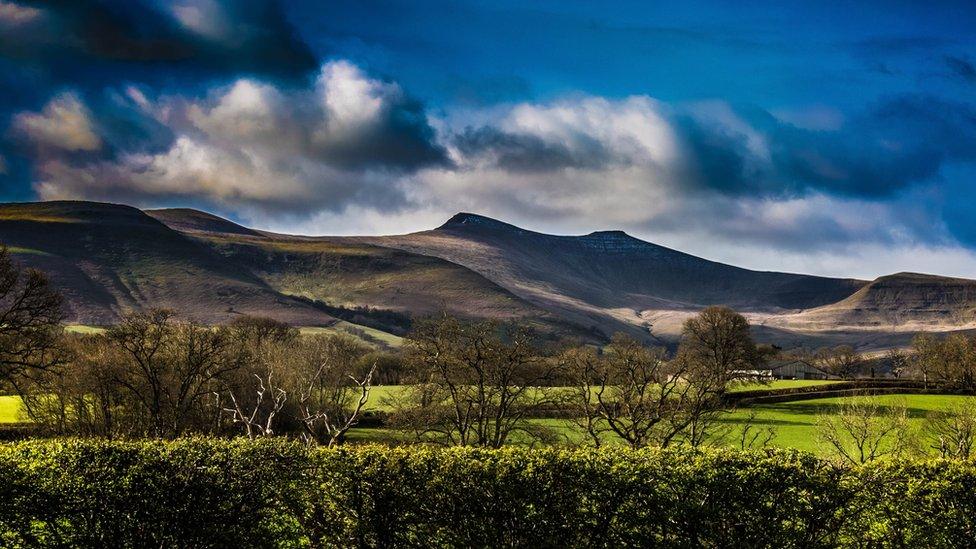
(218, 493)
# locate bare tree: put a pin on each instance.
(630, 391)
(171, 367)
(81, 397)
(30, 323)
(330, 384)
(718, 346)
(642, 397)
(257, 414)
(863, 430)
(141, 336)
(953, 431)
(949, 361)
(257, 332)
(841, 361)
(583, 366)
(899, 361)
(476, 383)
(255, 394)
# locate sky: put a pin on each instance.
(833, 138)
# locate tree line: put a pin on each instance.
(466, 383)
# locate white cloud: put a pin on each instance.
(352, 102)
(251, 146)
(351, 154)
(204, 17)
(64, 123)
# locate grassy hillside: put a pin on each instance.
(108, 259)
(363, 283)
(610, 278)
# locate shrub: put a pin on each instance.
(220, 493)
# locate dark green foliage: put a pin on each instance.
(212, 493)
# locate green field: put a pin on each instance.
(10, 409)
(83, 329)
(382, 394)
(794, 423)
(781, 384)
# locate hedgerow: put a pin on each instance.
(276, 493)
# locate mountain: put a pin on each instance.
(610, 278)
(907, 300)
(108, 259)
(195, 221)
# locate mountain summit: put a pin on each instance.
(470, 221)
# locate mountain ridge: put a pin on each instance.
(110, 258)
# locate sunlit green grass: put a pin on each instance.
(348, 328)
(11, 409)
(382, 395)
(793, 423)
(83, 329)
(781, 384)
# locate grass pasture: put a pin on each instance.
(11, 408)
(794, 423)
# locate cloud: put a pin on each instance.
(896, 144)
(256, 147)
(733, 175)
(64, 123)
(81, 40)
(585, 134)
(356, 151)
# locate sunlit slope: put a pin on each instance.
(342, 272)
(109, 258)
(909, 301)
(612, 278)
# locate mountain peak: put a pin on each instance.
(465, 220)
(609, 235)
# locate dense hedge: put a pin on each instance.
(206, 493)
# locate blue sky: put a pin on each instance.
(833, 138)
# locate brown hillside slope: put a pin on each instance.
(905, 301)
(108, 259)
(612, 277)
(342, 272)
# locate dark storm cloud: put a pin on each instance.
(894, 145)
(96, 40)
(523, 152)
(401, 139)
(898, 143)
